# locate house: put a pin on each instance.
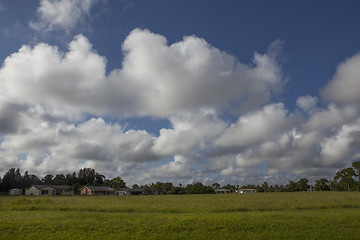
(123, 191)
(246, 191)
(49, 190)
(96, 190)
(221, 190)
(15, 192)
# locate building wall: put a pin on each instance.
(32, 191)
(48, 191)
(15, 192)
(85, 191)
(66, 193)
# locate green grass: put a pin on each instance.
(316, 215)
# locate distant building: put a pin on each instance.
(96, 190)
(246, 191)
(49, 190)
(15, 192)
(221, 190)
(123, 191)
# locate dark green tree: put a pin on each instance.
(265, 187)
(48, 179)
(117, 183)
(292, 186)
(177, 190)
(303, 184)
(59, 179)
(356, 166)
(322, 184)
(12, 179)
(87, 176)
(345, 179)
(71, 179)
(199, 188)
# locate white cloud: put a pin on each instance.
(307, 103)
(63, 82)
(341, 145)
(256, 127)
(46, 96)
(191, 132)
(344, 88)
(156, 79)
(63, 14)
(189, 75)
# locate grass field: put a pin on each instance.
(303, 215)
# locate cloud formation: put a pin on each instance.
(223, 121)
(156, 79)
(61, 14)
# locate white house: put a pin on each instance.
(49, 190)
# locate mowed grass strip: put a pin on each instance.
(326, 215)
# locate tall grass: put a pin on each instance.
(306, 215)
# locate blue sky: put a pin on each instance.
(211, 91)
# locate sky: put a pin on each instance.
(234, 92)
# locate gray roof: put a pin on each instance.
(57, 187)
(98, 188)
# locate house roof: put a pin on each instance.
(98, 188)
(57, 187)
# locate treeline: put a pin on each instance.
(86, 176)
(347, 179)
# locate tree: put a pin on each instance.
(356, 166)
(346, 179)
(265, 187)
(87, 176)
(198, 188)
(59, 179)
(12, 179)
(162, 188)
(71, 179)
(117, 183)
(322, 184)
(302, 184)
(29, 179)
(216, 185)
(292, 186)
(100, 178)
(48, 179)
(177, 190)
(232, 188)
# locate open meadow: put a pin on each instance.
(301, 215)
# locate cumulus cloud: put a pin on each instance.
(61, 14)
(256, 127)
(190, 74)
(307, 103)
(345, 86)
(193, 130)
(63, 82)
(47, 96)
(156, 79)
